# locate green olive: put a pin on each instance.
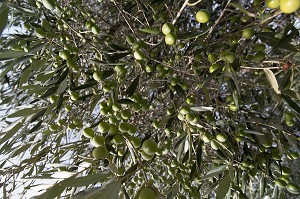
(272, 4)
(103, 127)
(88, 132)
(100, 152)
(170, 39)
(202, 16)
(167, 28)
(149, 146)
(289, 6)
(147, 193)
(97, 141)
(248, 33)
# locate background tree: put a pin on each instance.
(150, 99)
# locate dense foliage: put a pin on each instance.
(149, 98)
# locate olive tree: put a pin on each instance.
(149, 99)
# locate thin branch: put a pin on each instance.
(124, 18)
(259, 68)
(218, 20)
(193, 4)
(180, 11)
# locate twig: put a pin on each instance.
(218, 20)
(259, 68)
(193, 4)
(124, 18)
(180, 11)
(273, 16)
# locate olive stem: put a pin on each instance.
(259, 68)
(193, 4)
(180, 11)
(124, 18)
(218, 20)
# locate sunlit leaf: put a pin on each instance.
(202, 108)
(108, 190)
(11, 130)
(23, 112)
(272, 79)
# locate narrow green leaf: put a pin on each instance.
(35, 127)
(50, 91)
(107, 73)
(233, 91)
(37, 64)
(287, 46)
(199, 155)
(291, 93)
(155, 85)
(223, 187)
(36, 48)
(132, 87)
(4, 17)
(38, 115)
(210, 77)
(19, 150)
(292, 139)
(268, 38)
(54, 191)
(118, 47)
(23, 112)
(14, 127)
(125, 101)
(25, 74)
(131, 170)
(9, 54)
(62, 87)
(285, 82)
(112, 58)
(43, 77)
(108, 190)
(86, 85)
(262, 186)
(9, 66)
(193, 171)
(253, 132)
(62, 77)
(214, 172)
(275, 192)
(238, 6)
(150, 31)
(86, 180)
(291, 103)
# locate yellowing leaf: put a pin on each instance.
(272, 79)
